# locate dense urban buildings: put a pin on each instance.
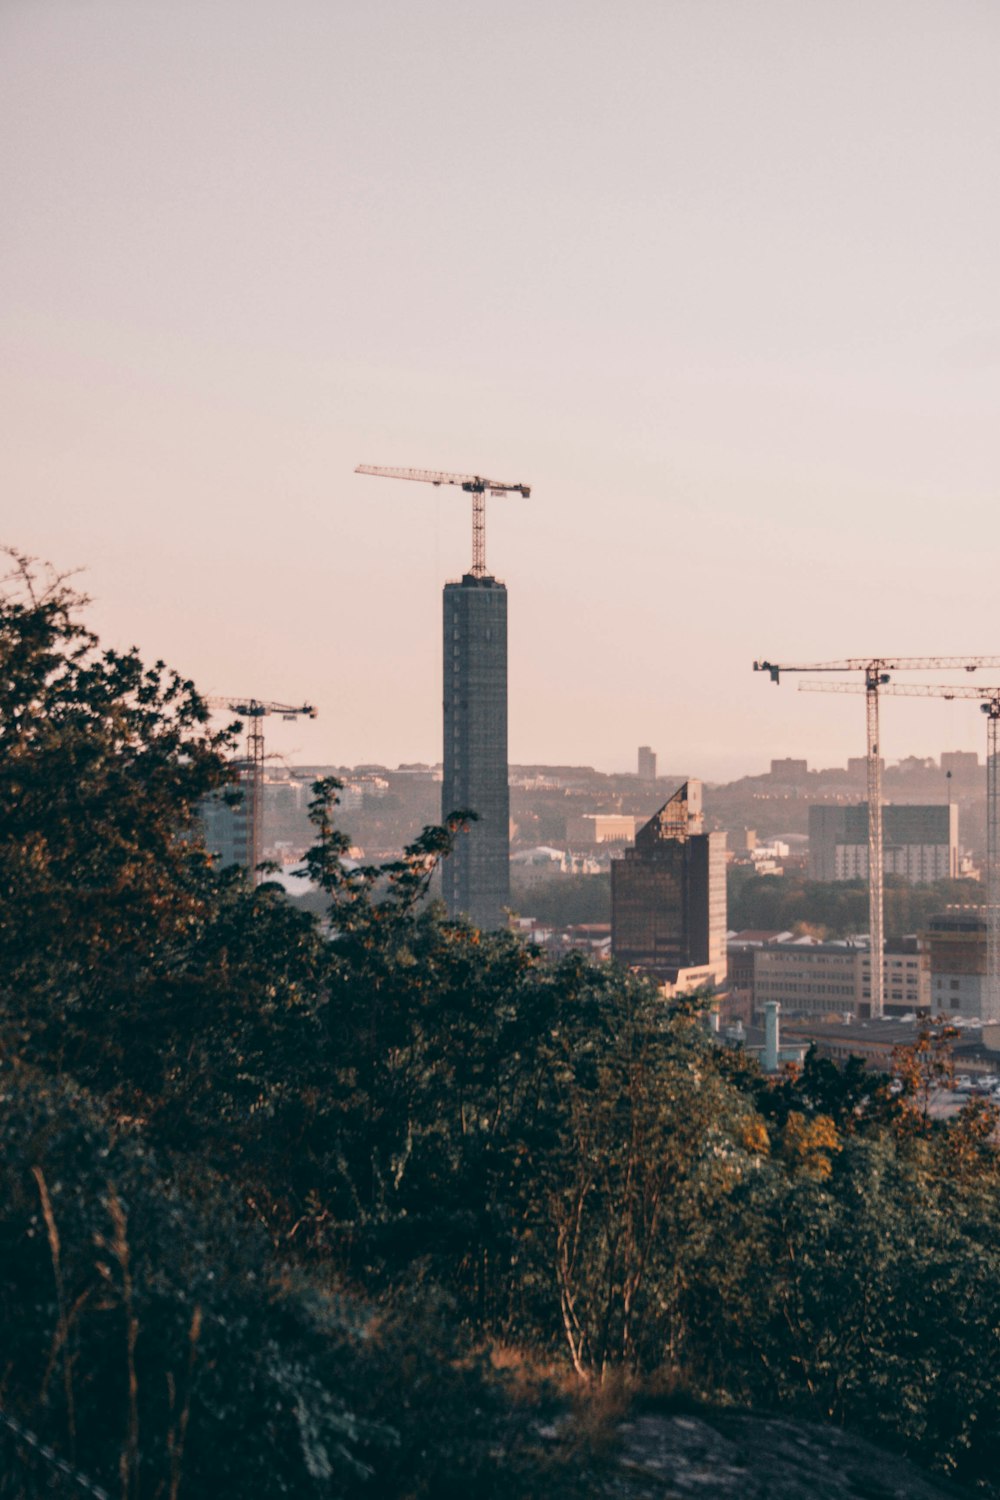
(668, 896)
(919, 842)
(941, 971)
(476, 879)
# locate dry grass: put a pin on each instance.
(585, 1415)
(531, 1380)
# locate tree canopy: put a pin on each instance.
(277, 1192)
(835, 909)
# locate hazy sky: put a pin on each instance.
(719, 278)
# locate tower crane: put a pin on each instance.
(473, 484)
(254, 710)
(877, 671)
(989, 702)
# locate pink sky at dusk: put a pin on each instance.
(719, 280)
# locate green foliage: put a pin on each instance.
(852, 1096)
(102, 763)
(838, 908)
(564, 901)
(142, 1315)
(871, 1298)
(151, 1335)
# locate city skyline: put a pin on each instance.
(718, 282)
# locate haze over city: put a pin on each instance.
(717, 281)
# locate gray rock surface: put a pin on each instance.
(737, 1456)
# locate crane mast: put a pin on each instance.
(254, 710)
(876, 846)
(473, 484)
(989, 702)
(992, 1006)
(876, 672)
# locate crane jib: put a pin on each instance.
(473, 484)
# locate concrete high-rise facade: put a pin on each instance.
(476, 878)
(919, 842)
(955, 944)
(668, 896)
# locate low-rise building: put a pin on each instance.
(905, 979)
(740, 950)
(536, 866)
(806, 978)
(874, 1042)
(543, 863)
(585, 830)
(818, 979)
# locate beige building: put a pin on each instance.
(816, 979)
(600, 828)
(906, 983)
(806, 979)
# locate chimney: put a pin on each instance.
(772, 1038)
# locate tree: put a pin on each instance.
(102, 764)
(170, 1040)
(925, 1065)
(217, 1113)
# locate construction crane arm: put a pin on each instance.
(473, 483)
(882, 664)
(905, 690)
(836, 687)
(258, 708)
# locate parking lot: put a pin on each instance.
(946, 1102)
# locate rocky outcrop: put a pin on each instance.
(738, 1456)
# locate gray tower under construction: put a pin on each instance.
(477, 876)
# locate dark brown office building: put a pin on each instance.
(668, 895)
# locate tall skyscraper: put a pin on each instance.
(477, 876)
(647, 763)
(668, 895)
